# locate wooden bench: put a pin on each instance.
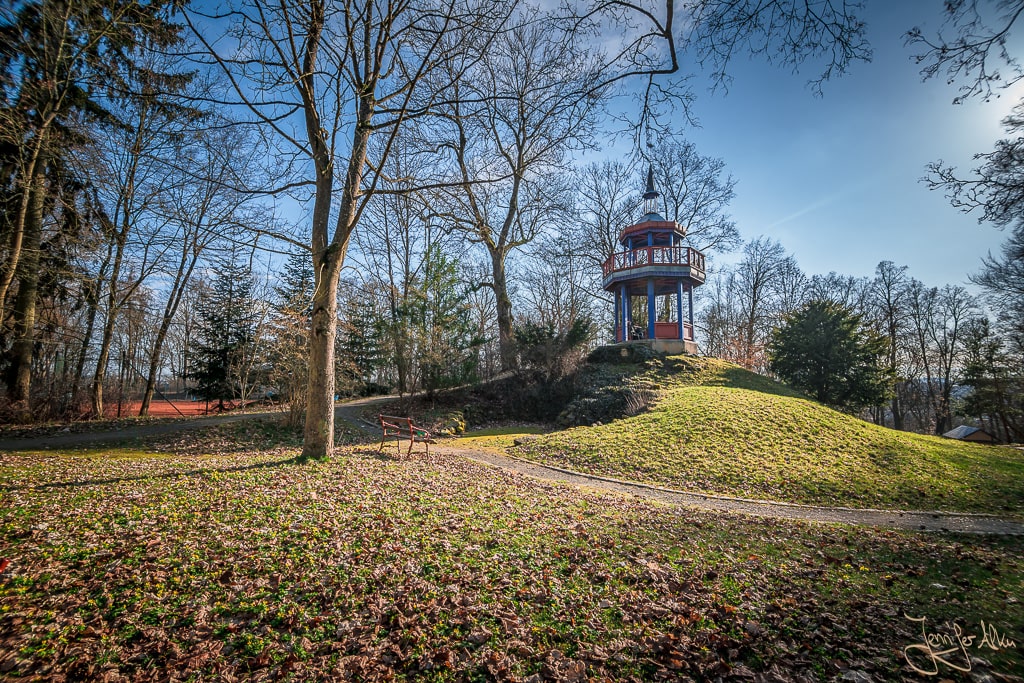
(403, 428)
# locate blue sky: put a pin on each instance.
(836, 178)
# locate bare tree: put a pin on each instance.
(747, 300)
(971, 47)
(510, 148)
(939, 318)
(754, 282)
(555, 290)
(322, 80)
(204, 207)
(391, 250)
(888, 299)
(652, 40)
(954, 309)
(846, 290)
(695, 193)
(608, 196)
(129, 166)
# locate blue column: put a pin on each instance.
(652, 308)
(625, 313)
(689, 291)
(679, 308)
(650, 239)
(616, 317)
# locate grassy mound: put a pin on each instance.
(718, 428)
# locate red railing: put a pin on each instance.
(653, 256)
(662, 330)
(671, 331)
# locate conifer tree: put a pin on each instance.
(289, 347)
(826, 350)
(442, 326)
(226, 334)
(361, 351)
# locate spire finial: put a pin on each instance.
(651, 195)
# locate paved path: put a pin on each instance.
(350, 413)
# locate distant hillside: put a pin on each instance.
(716, 427)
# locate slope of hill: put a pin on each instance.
(717, 428)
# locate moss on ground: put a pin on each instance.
(246, 565)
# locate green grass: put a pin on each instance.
(245, 564)
(497, 437)
(720, 429)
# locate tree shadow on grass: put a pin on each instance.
(389, 453)
(295, 460)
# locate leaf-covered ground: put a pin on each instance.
(220, 558)
(717, 428)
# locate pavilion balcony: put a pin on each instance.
(655, 262)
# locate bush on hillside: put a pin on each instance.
(552, 351)
(827, 351)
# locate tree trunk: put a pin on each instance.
(100, 375)
(25, 303)
(92, 306)
(108, 332)
(318, 436)
(181, 280)
(154, 365)
(897, 413)
(29, 210)
(943, 413)
(506, 339)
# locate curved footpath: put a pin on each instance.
(915, 520)
(898, 519)
(349, 412)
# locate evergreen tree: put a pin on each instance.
(289, 330)
(225, 335)
(360, 351)
(825, 349)
(555, 352)
(997, 388)
(440, 325)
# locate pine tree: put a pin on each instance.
(360, 349)
(827, 351)
(441, 325)
(226, 334)
(997, 389)
(289, 352)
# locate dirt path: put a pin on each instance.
(351, 414)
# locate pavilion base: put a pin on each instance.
(672, 347)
